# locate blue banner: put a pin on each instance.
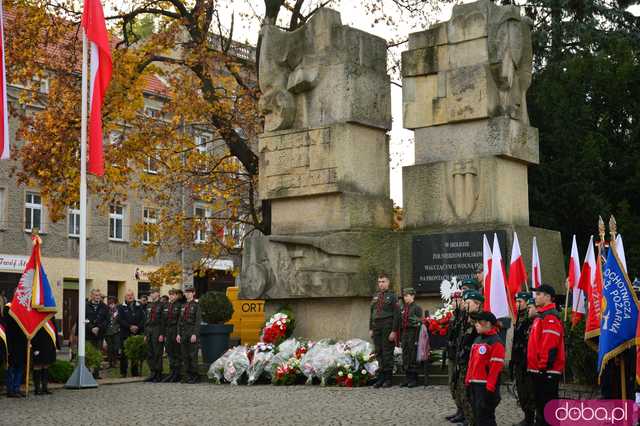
(619, 313)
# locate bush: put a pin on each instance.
(135, 348)
(216, 308)
(60, 371)
(581, 359)
(92, 357)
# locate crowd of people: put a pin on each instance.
(169, 324)
(476, 349)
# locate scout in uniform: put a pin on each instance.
(189, 336)
(410, 322)
(518, 365)
(545, 350)
(154, 336)
(455, 329)
(473, 303)
(170, 316)
(486, 361)
(383, 326)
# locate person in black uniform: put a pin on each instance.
(384, 323)
(17, 349)
(97, 320)
(43, 349)
(131, 318)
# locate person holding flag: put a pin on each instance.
(545, 350)
(17, 355)
(620, 314)
(44, 345)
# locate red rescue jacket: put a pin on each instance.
(545, 349)
(486, 360)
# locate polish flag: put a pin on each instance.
(620, 251)
(486, 268)
(578, 309)
(95, 28)
(4, 110)
(593, 288)
(536, 272)
(498, 299)
(517, 271)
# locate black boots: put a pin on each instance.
(45, 381)
(173, 377)
(37, 382)
(379, 381)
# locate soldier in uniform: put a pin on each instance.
(17, 349)
(383, 329)
(455, 328)
(189, 336)
(154, 336)
(170, 316)
(473, 303)
(518, 365)
(112, 334)
(131, 320)
(411, 320)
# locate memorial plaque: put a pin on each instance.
(442, 256)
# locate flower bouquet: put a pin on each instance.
(439, 323)
(236, 364)
(287, 373)
(260, 356)
(349, 377)
(216, 370)
(278, 328)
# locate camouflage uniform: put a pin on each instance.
(518, 367)
(189, 325)
(453, 336)
(153, 329)
(170, 316)
(411, 320)
(466, 340)
(385, 318)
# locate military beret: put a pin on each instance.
(473, 295)
(408, 290)
(546, 288)
(471, 283)
(484, 316)
(524, 295)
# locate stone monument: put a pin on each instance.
(464, 96)
(324, 167)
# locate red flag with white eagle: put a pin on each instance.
(517, 271)
(577, 309)
(4, 111)
(536, 271)
(94, 25)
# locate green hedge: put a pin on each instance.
(582, 361)
(60, 371)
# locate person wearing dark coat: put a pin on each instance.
(43, 349)
(17, 349)
(131, 318)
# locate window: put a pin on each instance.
(203, 226)
(116, 222)
(43, 84)
(153, 112)
(203, 143)
(115, 138)
(149, 219)
(32, 211)
(151, 165)
(74, 221)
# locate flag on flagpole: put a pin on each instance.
(498, 301)
(517, 270)
(5, 147)
(33, 302)
(590, 282)
(94, 25)
(620, 250)
(577, 309)
(620, 311)
(486, 267)
(536, 271)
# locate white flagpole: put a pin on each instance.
(81, 376)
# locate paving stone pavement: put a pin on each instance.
(207, 404)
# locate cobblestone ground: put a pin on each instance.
(206, 404)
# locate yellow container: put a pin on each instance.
(247, 319)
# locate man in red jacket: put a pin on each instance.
(545, 350)
(486, 362)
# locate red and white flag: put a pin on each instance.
(620, 251)
(592, 285)
(578, 293)
(486, 267)
(536, 271)
(498, 301)
(517, 270)
(4, 109)
(95, 27)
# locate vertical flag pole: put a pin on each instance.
(26, 379)
(613, 229)
(566, 299)
(81, 377)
